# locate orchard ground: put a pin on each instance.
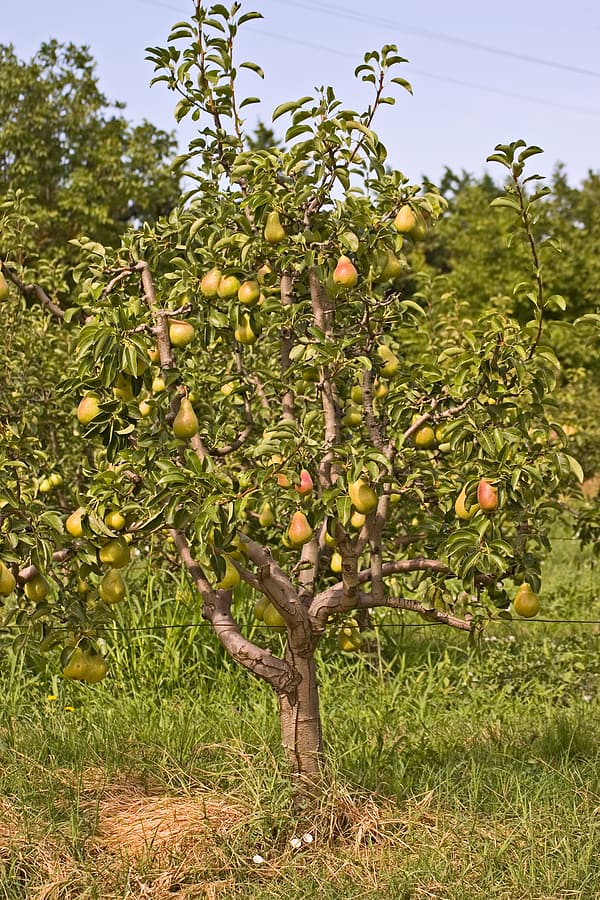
(457, 771)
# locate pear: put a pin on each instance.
(158, 384)
(230, 579)
(273, 618)
(56, 480)
(487, 495)
(405, 220)
(274, 231)
(181, 333)
(249, 293)
(260, 607)
(392, 267)
(122, 388)
(3, 286)
(185, 423)
(144, 408)
(299, 532)
(229, 285)
(460, 506)
(357, 520)
(266, 516)
(7, 580)
(154, 354)
(364, 498)
(244, 333)
(263, 273)
(73, 524)
(424, 438)
(112, 587)
(306, 484)
(381, 389)
(45, 486)
(88, 408)
(348, 639)
(352, 417)
(356, 394)
(115, 553)
(115, 520)
(36, 588)
(74, 665)
(95, 668)
(345, 273)
(389, 361)
(209, 284)
(336, 562)
(526, 602)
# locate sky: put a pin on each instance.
(482, 72)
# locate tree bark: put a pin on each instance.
(301, 722)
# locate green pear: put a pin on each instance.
(266, 517)
(3, 286)
(424, 438)
(122, 388)
(260, 607)
(526, 602)
(392, 268)
(389, 361)
(405, 220)
(249, 293)
(112, 587)
(181, 333)
(74, 664)
(36, 588)
(274, 231)
(7, 580)
(114, 520)
(244, 333)
(115, 553)
(230, 579)
(209, 284)
(352, 417)
(273, 618)
(345, 273)
(185, 423)
(229, 285)
(364, 498)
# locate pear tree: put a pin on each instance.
(269, 377)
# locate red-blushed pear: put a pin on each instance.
(112, 587)
(274, 230)
(7, 580)
(460, 506)
(306, 484)
(405, 220)
(299, 532)
(185, 423)
(88, 409)
(364, 498)
(526, 602)
(344, 274)
(209, 285)
(73, 524)
(249, 293)
(181, 333)
(229, 285)
(487, 495)
(3, 286)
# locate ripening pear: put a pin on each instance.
(112, 587)
(345, 273)
(7, 580)
(357, 520)
(249, 293)
(88, 408)
(230, 579)
(73, 524)
(158, 384)
(424, 438)
(122, 388)
(181, 333)
(115, 553)
(154, 354)
(336, 562)
(244, 333)
(460, 506)
(299, 532)
(356, 394)
(526, 602)
(487, 495)
(389, 361)
(209, 284)
(3, 286)
(364, 498)
(306, 484)
(229, 285)
(185, 423)
(36, 588)
(405, 220)
(274, 231)
(380, 389)
(114, 520)
(266, 516)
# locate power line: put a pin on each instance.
(444, 78)
(334, 10)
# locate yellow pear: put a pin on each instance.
(88, 408)
(274, 231)
(154, 354)
(352, 417)
(249, 293)
(273, 618)
(229, 285)
(336, 562)
(112, 587)
(526, 602)
(73, 524)
(3, 286)
(115, 520)
(244, 333)
(405, 220)
(389, 361)
(424, 438)
(299, 532)
(230, 579)
(7, 580)
(115, 553)
(74, 664)
(357, 520)
(144, 408)
(209, 284)
(185, 423)
(181, 333)
(364, 498)
(36, 588)
(348, 639)
(95, 668)
(158, 385)
(460, 506)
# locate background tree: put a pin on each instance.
(337, 445)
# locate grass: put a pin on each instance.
(455, 771)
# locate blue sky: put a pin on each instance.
(472, 65)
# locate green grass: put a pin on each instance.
(455, 771)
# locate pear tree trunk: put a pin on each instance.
(301, 721)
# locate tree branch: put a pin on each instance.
(34, 291)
